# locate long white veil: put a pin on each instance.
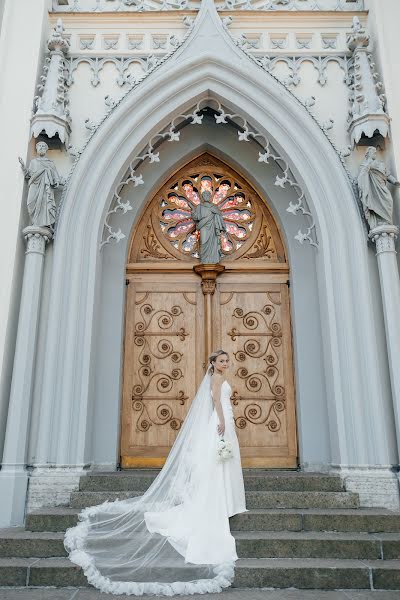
(174, 539)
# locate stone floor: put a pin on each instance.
(236, 594)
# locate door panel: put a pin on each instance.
(163, 364)
(254, 327)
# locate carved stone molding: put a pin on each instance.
(294, 64)
(168, 5)
(51, 113)
(292, 5)
(36, 239)
(246, 133)
(384, 237)
(121, 63)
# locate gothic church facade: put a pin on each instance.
(124, 113)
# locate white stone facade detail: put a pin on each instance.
(385, 237)
(245, 134)
(52, 486)
(375, 486)
(51, 113)
(367, 114)
(164, 5)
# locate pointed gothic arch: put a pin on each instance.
(166, 332)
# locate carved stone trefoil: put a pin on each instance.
(51, 114)
(367, 114)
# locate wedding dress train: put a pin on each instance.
(175, 539)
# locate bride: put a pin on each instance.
(175, 539)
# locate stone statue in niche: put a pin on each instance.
(210, 224)
(373, 188)
(43, 177)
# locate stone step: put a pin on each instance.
(311, 544)
(363, 519)
(323, 574)
(258, 499)
(18, 543)
(51, 519)
(254, 480)
(250, 573)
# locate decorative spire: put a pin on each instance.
(51, 114)
(367, 115)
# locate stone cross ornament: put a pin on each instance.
(210, 224)
(42, 177)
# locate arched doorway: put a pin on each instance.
(173, 317)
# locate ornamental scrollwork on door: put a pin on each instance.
(151, 248)
(264, 246)
(164, 413)
(151, 353)
(263, 340)
(254, 413)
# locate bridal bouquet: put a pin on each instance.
(224, 450)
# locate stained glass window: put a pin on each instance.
(176, 219)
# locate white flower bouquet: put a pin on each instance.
(224, 450)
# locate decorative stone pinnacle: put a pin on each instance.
(359, 37)
(367, 115)
(57, 41)
(51, 113)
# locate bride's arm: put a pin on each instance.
(216, 394)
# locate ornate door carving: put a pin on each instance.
(163, 364)
(165, 333)
(254, 326)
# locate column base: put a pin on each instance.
(378, 487)
(13, 489)
(52, 485)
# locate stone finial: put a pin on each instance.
(358, 38)
(51, 114)
(367, 115)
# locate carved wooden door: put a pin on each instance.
(253, 324)
(174, 317)
(163, 363)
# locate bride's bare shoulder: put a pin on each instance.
(217, 379)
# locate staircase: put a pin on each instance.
(302, 530)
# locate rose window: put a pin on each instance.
(175, 218)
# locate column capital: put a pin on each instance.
(384, 236)
(208, 274)
(36, 238)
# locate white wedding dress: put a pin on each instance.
(175, 539)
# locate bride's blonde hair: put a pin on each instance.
(212, 358)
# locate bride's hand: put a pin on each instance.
(221, 428)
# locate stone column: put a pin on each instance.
(13, 475)
(22, 35)
(208, 274)
(384, 236)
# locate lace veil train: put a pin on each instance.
(175, 539)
